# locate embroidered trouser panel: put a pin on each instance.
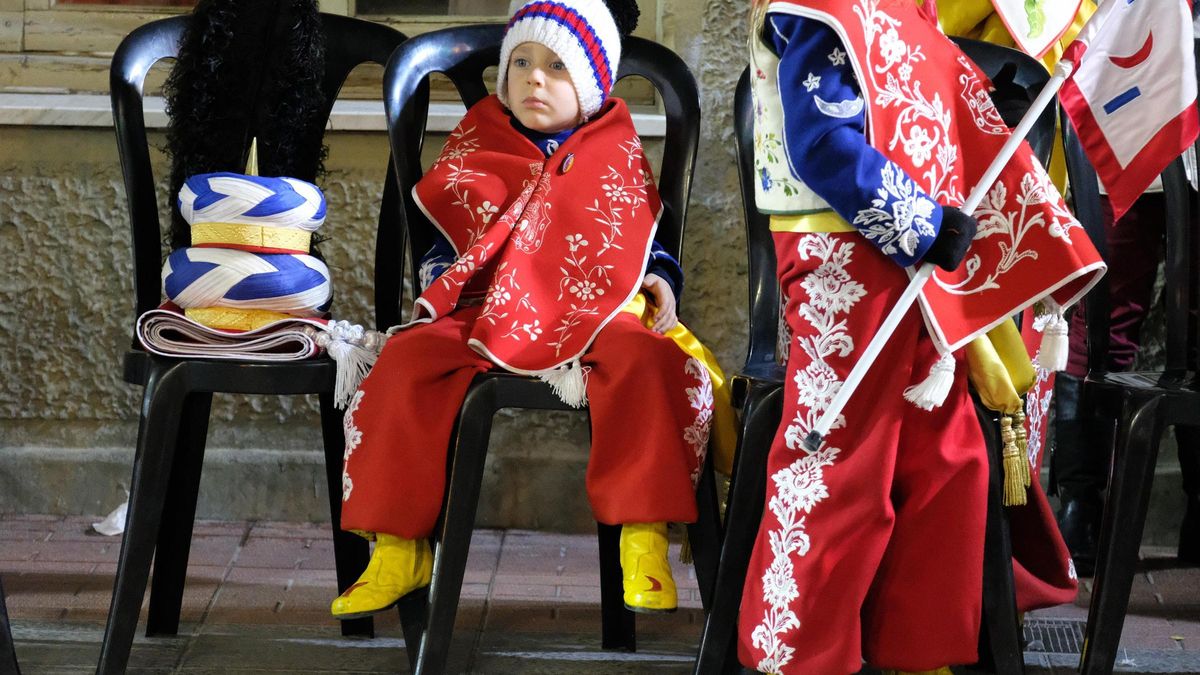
(1043, 572)
(650, 406)
(872, 547)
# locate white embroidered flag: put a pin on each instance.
(1036, 25)
(1132, 97)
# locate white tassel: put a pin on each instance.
(568, 383)
(355, 350)
(933, 391)
(1054, 350)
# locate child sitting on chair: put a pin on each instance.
(548, 204)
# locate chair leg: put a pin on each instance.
(161, 404)
(1000, 640)
(743, 513)
(704, 535)
(179, 516)
(8, 653)
(618, 625)
(351, 553)
(1121, 534)
(469, 450)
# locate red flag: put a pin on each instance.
(1132, 97)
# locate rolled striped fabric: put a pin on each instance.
(252, 213)
(252, 200)
(246, 289)
(294, 284)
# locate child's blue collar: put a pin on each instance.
(547, 143)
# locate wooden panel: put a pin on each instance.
(82, 31)
(10, 31)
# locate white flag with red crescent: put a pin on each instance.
(1132, 96)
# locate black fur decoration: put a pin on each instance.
(625, 13)
(246, 69)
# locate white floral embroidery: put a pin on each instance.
(812, 82)
(1001, 215)
(837, 57)
(800, 487)
(893, 86)
(700, 398)
(353, 439)
(899, 214)
(585, 277)
(1037, 407)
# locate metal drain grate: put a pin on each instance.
(1054, 636)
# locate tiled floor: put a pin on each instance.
(257, 601)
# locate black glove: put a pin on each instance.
(953, 239)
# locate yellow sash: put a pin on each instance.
(723, 438)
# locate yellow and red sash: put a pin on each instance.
(930, 113)
(556, 246)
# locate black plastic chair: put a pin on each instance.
(462, 54)
(759, 388)
(8, 654)
(1131, 410)
(178, 391)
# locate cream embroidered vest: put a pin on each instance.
(776, 188)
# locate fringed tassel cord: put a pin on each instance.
(1014, 485)
(355, 350)
(1054, 350)
(932, 392)
(1023, 447)
(568, 382)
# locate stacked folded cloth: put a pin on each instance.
(246, 289)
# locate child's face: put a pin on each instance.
(540, 90)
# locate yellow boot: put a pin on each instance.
(398, 567)
(649, 586)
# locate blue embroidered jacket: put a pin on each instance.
(824, 138)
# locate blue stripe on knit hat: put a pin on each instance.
(589, 41)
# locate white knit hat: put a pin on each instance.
(582, 33)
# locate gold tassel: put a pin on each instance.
(1022, 446)
(685, 548)
(1014, 486)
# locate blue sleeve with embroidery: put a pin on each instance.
(441, 256)
(666, 266)
(826, 145)
(436, 261)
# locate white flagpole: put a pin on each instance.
(1062, 71)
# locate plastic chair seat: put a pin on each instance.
(462, 54)
(177, 396)
(8, 653)
(1131, 410)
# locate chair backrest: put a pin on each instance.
(764, 288)
(349, 43)
(462, 54)
(1181, 263)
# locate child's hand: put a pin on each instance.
(660, 291)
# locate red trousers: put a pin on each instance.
(872, 547)
(650, 406)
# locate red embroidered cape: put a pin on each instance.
(930, 113)
(556, 245)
